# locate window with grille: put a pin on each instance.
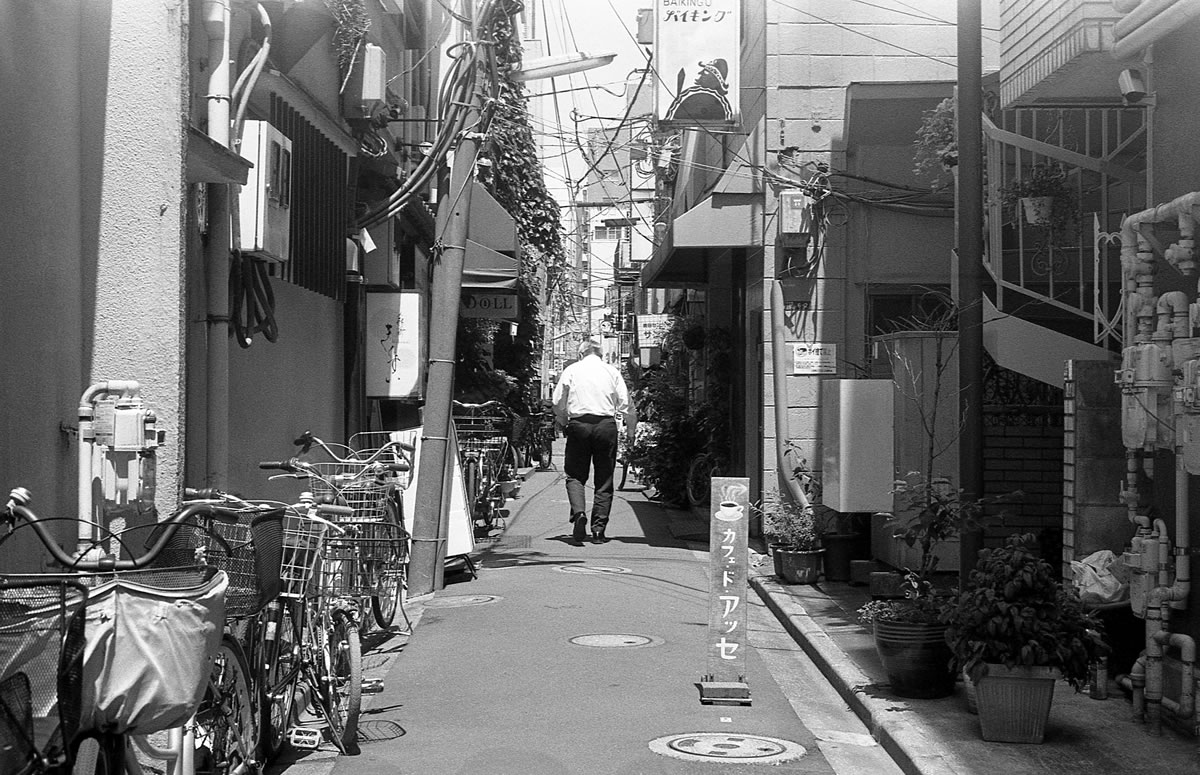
(611, 232)
(321, 207)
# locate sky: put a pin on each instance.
(593, 26)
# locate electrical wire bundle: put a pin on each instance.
(455, 100)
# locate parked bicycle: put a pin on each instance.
(488, 460)
(98, 652)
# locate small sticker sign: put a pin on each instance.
(814, 358)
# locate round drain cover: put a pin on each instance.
(594, 569)
(606, 640)
(726, 746)
(458, 601)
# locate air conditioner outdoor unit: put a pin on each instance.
(265, 206)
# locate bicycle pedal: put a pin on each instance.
(304, 737)
(372, 685)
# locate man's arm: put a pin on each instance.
(560, 400)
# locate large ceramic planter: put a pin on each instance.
(798, 567)
(1014, 703)
(916, 658)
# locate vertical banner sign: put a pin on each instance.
(729, 556)
(394, 345)
(697, 51)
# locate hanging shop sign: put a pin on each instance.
(697, 50)
(651, 329)
(814, 358)
(394, 345)
(495, 306)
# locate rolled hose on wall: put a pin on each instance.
(251, 300)
(779, 333)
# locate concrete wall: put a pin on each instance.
(91, 226)
(816, 51)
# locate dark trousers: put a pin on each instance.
(591, 445)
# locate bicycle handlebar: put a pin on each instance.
(17, 508)
(492, 404)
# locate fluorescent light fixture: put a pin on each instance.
(562, 64)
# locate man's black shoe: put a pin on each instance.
(598, 537)
(580, 531)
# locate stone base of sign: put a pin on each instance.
(724, 693)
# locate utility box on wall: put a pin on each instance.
(857, 469)
(265, 205)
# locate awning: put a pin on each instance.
(717, 223)
(490, 263)
(485, 269)
(210, 162)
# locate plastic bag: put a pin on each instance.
(1100, 578)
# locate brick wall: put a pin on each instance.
(1029, 458)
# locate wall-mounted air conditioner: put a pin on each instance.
(265, 206)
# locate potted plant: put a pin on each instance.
(910, 635)
(1015, 629)
(793, 534)
(1043, 195)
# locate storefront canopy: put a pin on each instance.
(491, 259)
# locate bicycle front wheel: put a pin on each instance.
(388, 569)
(278, 667)
(339, 673)
(699, 478)
(470, 470)
(227, 719)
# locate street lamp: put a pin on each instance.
(430, 525)
(561, 64)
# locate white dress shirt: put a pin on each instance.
(591, 386)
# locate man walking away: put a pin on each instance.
(589, 399)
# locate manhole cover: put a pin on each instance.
(606, 640)
(458, 601)
(744, 749)
(593, 569)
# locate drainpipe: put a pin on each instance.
(1148, 23)
(217, 16)
(779, 332)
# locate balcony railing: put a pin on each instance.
(1067, 278)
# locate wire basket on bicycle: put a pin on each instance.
(41, 659)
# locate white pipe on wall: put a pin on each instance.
(217, 19)
(1148, 23)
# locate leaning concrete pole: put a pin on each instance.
(969, 205)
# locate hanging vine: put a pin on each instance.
(516, 178)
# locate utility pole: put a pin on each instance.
(969, 194)
(431, 517)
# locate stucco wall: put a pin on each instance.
(278, 390)
(90, 226)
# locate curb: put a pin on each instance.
(899, 730)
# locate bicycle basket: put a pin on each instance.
(354, 561)
(150, 640)
(301, 550)
(41, 650)
(248, 552)
(358, 483)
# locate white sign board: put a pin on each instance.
(461, 538)
(697, 53)
(651, 328)
(814, 358)
(393, 345)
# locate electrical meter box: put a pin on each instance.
(795, 213)
(857, 466)
(265, 206)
